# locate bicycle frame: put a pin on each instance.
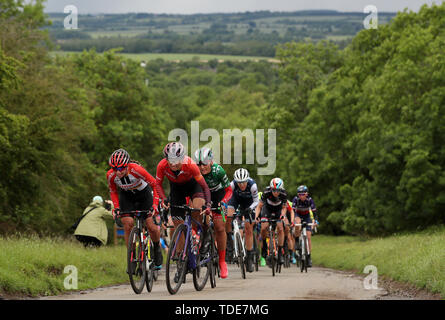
(236, 231)
(188, 240)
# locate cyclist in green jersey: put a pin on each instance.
(220, 190)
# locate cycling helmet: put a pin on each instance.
(302, 189)
(204, 155)
(174, 152)
(276, 184)
(241, 175)
(119, 158)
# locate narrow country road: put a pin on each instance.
(317, 283)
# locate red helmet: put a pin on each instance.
(174, 152)
(119, 158)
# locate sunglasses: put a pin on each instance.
(203, 164)
(302, 194)
(275, 190)
(119, 168)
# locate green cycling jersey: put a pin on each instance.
(217, 178)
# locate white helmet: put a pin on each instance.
(276, 184)
(241, 175)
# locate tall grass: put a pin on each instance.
(35, 266)
(416, 258)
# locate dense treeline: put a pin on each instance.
(363, 127)
(369, 125)
(61, 119)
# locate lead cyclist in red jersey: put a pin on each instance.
(185, 180)
(131, 189)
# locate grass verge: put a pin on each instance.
(415, 258)
(35, 266)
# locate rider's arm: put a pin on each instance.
(112, 187)
(314, 209)
(159, 179)
(202, 182)
(228, 194)
(258, 209)
(225, 183)
(254, 192)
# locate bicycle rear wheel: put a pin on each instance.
(240, 257)
(177, 260)
(302, 255)
(272, 252)
(136, 261)
(204, 263)
(214, 272)
(256, 255)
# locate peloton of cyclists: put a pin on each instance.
(205, 183)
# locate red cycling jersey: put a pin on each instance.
(136, 179)
(189, 170)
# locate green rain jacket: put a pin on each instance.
(93, 224)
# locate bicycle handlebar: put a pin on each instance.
(136, 212)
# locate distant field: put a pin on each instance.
(179, 56)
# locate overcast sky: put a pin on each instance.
(211, 6)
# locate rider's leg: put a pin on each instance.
(128, 224)
(264, 230)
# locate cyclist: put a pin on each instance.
(302, 205)
(245, 196)
(137, 191)
(220, 191)
(273, 204)
(185, 181)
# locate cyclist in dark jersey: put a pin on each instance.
(303, 205)
(220, 190)
(273, 204)
(135, 187)
(244, 198)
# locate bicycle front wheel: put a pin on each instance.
(240, 258)
(272, 252)
(136, 261)
(256, 255)
(177, 260)
(204, 262)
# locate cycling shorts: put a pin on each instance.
(271, 212)
(179, 193)
(136, 200)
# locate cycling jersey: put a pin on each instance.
(247, 198)
(135, 181)
(189, 170)
(273, 202)
(303, 208)
(219, 184)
